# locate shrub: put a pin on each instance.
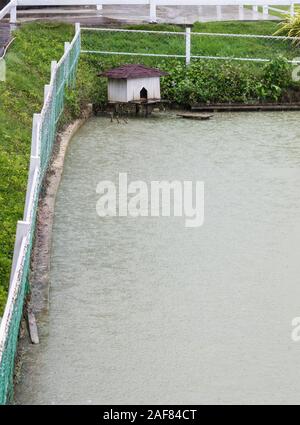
(290, 27)
(276, 77)
(225, 82)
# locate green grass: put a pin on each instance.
(28, 69)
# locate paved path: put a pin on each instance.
(182, 14)
(5, 34)
(135, 14)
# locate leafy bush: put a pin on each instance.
(276, 77)
(277, 72)
(290, 27)
(224, 82)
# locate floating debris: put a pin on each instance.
(195, 115)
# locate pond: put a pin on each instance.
(145, 310)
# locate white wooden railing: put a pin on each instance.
(11, 8)
(189, 36)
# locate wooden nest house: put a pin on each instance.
(134, 84)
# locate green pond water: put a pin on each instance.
(145, 310)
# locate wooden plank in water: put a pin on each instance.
(194, 116)
(33, 330)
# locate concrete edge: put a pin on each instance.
(38, 302)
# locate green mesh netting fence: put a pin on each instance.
(63, 75)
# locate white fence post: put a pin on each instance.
(2, 69)
(22, 231)
(34, 158)
(35, 147)
(153, 17)
(254, 11)
(67, 61)
(53, 68)
(67, 46)
(241, 13)
(77, 27)
(265, 10)
(219, 13)
(46, 91)
(188, 45)
(13, 15)
(292, 9)
(78, 31)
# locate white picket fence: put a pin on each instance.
(63, 74)
(188, 36)
(11, 8)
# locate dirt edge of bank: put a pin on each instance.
(40, 259)
(38, 300)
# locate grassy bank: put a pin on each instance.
(28, 69)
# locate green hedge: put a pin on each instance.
(226, 82)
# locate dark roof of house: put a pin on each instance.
(129, 71)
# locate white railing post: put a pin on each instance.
(35, 147)
(2, 69)
(241, 12)
(46, 91)
(153, 17)
(34, 158)
(254, 11)
(292, 9)
(78, 32)
(77, 27)
(67, 61)
(13, 13)
(265, 10)
(53, 67)
(188, 45)
(22, 230)
(67, 46)
(219, 13)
